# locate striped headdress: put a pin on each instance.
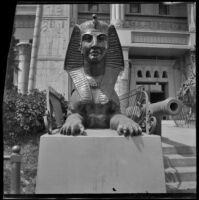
(74, 60)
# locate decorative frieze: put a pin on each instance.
(156, 25)
(55, 10)
(54, 29)
(159, 38)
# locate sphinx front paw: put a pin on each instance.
(125, 126)
(72, 129)
(73, 126)
(129, 128)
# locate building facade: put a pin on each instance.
(158, 42)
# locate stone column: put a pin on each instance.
(24, 49)
(191, 24)
(117, 15)
(73, 14)
(171, 82)
(191, 11)
(122, 86)
(193, 60)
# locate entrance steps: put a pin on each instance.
(180, 168)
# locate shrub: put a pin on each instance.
(187, 93)
(23, 114)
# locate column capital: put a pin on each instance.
(23, 48)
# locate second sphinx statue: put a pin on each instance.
(94, 60)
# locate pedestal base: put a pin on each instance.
(101, 162)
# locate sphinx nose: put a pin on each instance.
(94, 42)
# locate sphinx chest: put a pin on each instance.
(94, 114)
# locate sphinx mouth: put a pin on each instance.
(95, 52)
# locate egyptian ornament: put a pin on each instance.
(114, 62)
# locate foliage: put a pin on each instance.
(187, 93)
(23, 114)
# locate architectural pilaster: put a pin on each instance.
(117, 15)
(24, 50)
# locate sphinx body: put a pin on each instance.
(94, 59)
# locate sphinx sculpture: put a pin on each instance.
(94, 60)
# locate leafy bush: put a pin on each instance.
(23, 114)
(187, 93)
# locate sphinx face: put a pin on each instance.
(94, 46)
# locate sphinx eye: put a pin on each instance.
(102, 37)
(87, 38)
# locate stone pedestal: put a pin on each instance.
(101, 162)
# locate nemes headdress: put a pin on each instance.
(74, 61)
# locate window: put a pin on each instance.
(164, 74)
(156, 74)
(148, 74)
(163, 9)
(134, 8)
(139, 74)
(93, 7)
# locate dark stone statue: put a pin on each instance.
(93, 60)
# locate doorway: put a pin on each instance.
(156, 96)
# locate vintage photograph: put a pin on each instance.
(101, 99)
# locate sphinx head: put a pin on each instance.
(97, 43)
(94, 40)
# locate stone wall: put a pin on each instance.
(54, 38)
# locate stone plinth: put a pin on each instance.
(101, 162)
